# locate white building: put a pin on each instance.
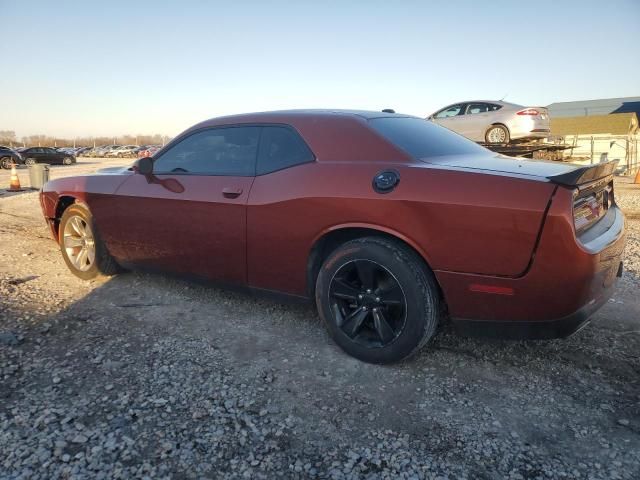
(598, 130)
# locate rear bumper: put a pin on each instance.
(535, 133)
(529, 127)
(535, 330)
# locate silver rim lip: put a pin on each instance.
(79, 243)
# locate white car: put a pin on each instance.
(489, 121)
(123, 151)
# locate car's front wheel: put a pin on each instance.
(6, 162)
(30, 161)
(82, 250)
(379, 301)
(67, 160)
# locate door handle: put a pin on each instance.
(231, 192)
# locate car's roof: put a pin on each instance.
(498, 102)
(287, 116)
(332, 134)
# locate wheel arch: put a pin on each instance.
(64, 202)
(332, 238)
(497, 124)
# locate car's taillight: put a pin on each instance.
(528, 111)
(590, 207)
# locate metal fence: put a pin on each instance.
(588, 149)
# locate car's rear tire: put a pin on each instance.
(30, 161)
(82, 250)
(378, 299)
(6, 162)
(67, 161)
(497, 134)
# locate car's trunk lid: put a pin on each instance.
(501, 164)
(557, 172)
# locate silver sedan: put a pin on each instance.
(491, 121)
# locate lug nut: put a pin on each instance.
(368, 290)
(377, 299)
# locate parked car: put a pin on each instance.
(95, 151)
(50, 155)
(102, 150)
(148, 151)
(8, 156)
(386, 220)
(108, 149)
(123, 151)
(141, 148)
(494, 121)
(82, 151)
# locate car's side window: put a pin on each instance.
(227, 151)
(493, 107)
(451, 111)
(474, 108)
(281, 147)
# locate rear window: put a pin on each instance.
(423, 139)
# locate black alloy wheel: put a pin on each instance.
(368, 303)
(378, 299)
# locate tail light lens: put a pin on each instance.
(528, 111)
(589, 208)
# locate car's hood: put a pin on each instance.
(113, 170)
(502, 164)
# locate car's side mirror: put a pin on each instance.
(144, 166)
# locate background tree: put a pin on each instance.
(7, 137)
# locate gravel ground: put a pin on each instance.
(147, 376)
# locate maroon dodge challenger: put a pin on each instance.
(389, 222)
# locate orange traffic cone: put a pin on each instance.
(637, 180)
(14, 183)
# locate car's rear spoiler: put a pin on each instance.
(586, 174)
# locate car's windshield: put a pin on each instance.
(422, 139)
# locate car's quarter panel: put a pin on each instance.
(564, 277)
(458, 221)
(199, 231)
